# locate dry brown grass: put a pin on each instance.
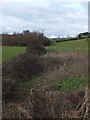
(44, 101)
(59, 66)
(46, 104)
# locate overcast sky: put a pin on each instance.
(53, 18)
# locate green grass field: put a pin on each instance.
(9, 52)
(78, 46)
(67, 46)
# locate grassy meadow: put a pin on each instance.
(74, 46)
(11, 51)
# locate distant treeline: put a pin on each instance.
(80, 36)
(22, 39)
(83, 35)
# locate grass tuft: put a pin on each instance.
(73, 84)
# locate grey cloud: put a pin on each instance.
(54, 18)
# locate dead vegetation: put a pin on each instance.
(44, 101)
(50, 104)
(60, 66)
(53, 64)
(21, 67)
(84, 110)
(35, 48)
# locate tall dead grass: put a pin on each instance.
(60, 66)
(44, 101)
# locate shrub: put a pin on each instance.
(10, 91)
(35, 48)
(22, 67)
(23, 39)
